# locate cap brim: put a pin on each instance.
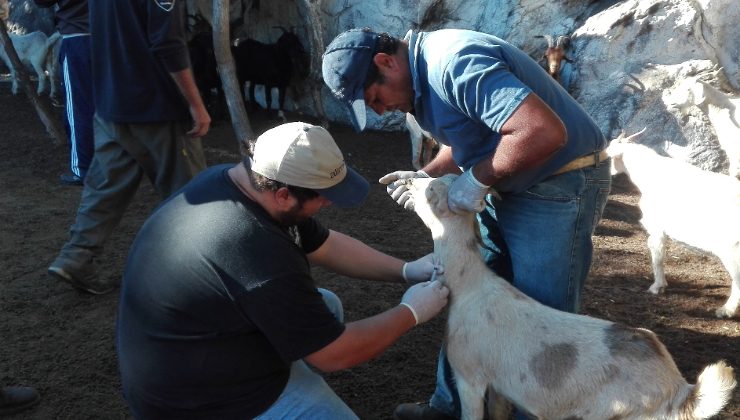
(357, 112)
(351, 192)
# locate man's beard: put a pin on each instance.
(292, 216)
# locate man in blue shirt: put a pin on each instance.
(504, 123)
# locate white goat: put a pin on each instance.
(678, 200)
(423, 145)
(34, 50)
(723, 111)
(548, 363)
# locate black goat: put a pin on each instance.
(203, 62)
(270, 65)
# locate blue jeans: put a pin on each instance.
(540, 240)
(307, 395)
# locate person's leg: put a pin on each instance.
(307, 395)
(170, 158)
(548, 230)
(333, 303)
(77, 75)
(111, 183)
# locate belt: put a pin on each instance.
(582, 162)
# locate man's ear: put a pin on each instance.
(385, 61)
(284, 198)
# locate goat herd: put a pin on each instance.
(258, 63)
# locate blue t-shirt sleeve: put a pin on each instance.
(483, 87)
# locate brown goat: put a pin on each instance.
(555, 53)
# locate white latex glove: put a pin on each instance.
(467, 194)
(397, 188)
(422, 269)
(425, 300)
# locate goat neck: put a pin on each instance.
(456, 236)
(457, 243)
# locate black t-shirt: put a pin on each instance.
(217, 300)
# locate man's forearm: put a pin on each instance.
(189, 89)
(442, 164)
(186, 83)
(350, 257)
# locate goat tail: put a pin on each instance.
(711, 393)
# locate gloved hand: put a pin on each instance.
(397, 188)
(467, 194)
(425, 300)
(421, 270)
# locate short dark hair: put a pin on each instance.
(386, 44)
(262, 183)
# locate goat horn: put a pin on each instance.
(562, 41)
(623, 139)
(550, 42)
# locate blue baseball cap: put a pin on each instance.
(346, 62)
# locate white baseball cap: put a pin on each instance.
(305, 155)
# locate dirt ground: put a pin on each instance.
(62, 342)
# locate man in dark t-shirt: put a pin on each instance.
(219, 311)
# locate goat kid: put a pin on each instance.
(678, 200)
(35, 50)
(550, 364)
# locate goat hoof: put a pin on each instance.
(656, 290)
(723, 312)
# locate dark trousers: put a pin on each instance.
(76, 65)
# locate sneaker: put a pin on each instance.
(419, 411)
(68, 178)
(14, 399)
(83, 277)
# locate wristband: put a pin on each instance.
(475, 180)
(413, 312)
